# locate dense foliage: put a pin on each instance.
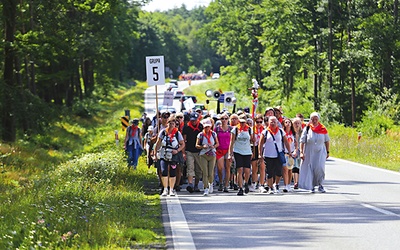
(336, 57)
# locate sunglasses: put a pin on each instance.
(179, 117)
(259, 122)
(165, 116)
(224, 118)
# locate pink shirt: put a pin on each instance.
(224, 137)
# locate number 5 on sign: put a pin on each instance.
(155, 70)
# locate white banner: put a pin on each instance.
(168, 98)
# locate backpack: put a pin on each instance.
(214, 134)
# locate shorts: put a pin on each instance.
(242, 161)
(273, 167)
(222, 153)
(255, 153)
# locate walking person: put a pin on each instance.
(314, 150)
(240, 149)
(257, 163)
(223, 161)
(169, 143)
(148, 143)
(273, 139)
(133, 143)
(287, 169)
(207, 142)
(191, 153)
(297, 125)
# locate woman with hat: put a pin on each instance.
(207, 142)
(169, 143)
(133, 143)
(314, 150)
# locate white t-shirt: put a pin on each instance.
(269, 145)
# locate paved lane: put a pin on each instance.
(361, 210)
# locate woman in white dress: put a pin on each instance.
(314, 150)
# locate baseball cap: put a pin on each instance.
(206, 123)
(194, 116)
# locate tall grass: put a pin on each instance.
(70, 188)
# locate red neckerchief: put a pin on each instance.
(172, 134)
(319, 129)
(290, 136)
(207, 135)
(273, 131)
(181, 124)
(258, 130)
(280, 119)
(242, 128)
(194, 128)
(303, 124)
(133, 130)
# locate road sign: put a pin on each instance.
(221, 98)
(124, 122)
(155, 70)
(188, 104)
(168, 98)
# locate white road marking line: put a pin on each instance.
(383, 211)
(181, 235)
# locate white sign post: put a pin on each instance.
(155, 70)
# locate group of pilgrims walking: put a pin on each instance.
(233, 152)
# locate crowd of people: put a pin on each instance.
(233, 152)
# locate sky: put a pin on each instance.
(163, 5)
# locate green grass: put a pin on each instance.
(70, 188)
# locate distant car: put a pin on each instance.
(178, 94)
(174, 81)
(184, 98)
(202, 107)
(163, 108)
(171, 86)
(215, 76)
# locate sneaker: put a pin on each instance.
(296, 186)
(246, 188)
(261, 189)
(270, 191)
(321, 189)
(226, 190)
(235, 187)
(240, 191)
(165, 192)
(220, 187)
(275, 188)
(252, 187)
(172, 192)
(196, 189)
(210, 185)
(189, 188)
(289, 188)
(206, 191)
(285, 189)
(313, 190)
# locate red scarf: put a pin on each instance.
(258, 130)
(280, 119)
(273, 131)
(181, 124)
(133, 130)
(207, 135)
(319, 129)
(194, 128)
(172, 134)
(290, 136)
(242, 128)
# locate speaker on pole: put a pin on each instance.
(216, 94)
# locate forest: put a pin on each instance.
(338, 57)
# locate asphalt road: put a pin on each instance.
(360, 210)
